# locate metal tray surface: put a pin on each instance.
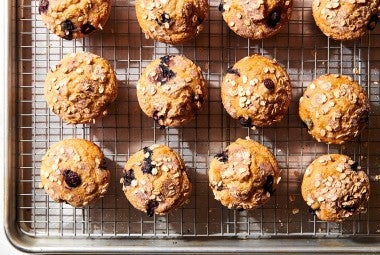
(34, 223)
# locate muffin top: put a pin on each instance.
(74, 19)
(334, 108)
(257, 91)
(80, 87)
(155, 180)
(172, 22)
(256, 19)
(244, 176)
(346, 19)
(335, 188)
(171, 90)
(72, 171)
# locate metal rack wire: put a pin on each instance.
(300, 48)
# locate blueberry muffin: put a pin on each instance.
(172, 22)
(72, 171)
(171, 90)
(346, 20)
(335, 188)
(256, 19)
(80, 88)
(244, 176)
(257, 91)
(334, 108)
(155, 180)
(73, 19)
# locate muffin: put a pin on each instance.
(256, 19)
(244, 176)
(345, 20)
(257, 91)
(334, 108)
(335, 188)
(172, 22)
(72, 171)
(171, 90)
(80, 88)
(74, 19)
(155, 180)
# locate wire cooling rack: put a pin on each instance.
(302, 49)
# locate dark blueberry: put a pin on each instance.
(128, 177)
(165, 18)
(44, 5)
(269, 84)
(104, 164)
(165, 59)
(308, 124)
(199, 98)
(87, 28)
(268, 185)
(222, 157)
(354, 166)
(373, 21)
(349, 208)
(72, 179)
(63, 201)
(240, 209)
(245, 122)
(151, 206)
(312, 211)
(233, 71)
(157, 117)
(220, 7)
(147, 166)
(146, 149)
(274, 18)
(165, 73)
(68, 29)
(364, 118)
